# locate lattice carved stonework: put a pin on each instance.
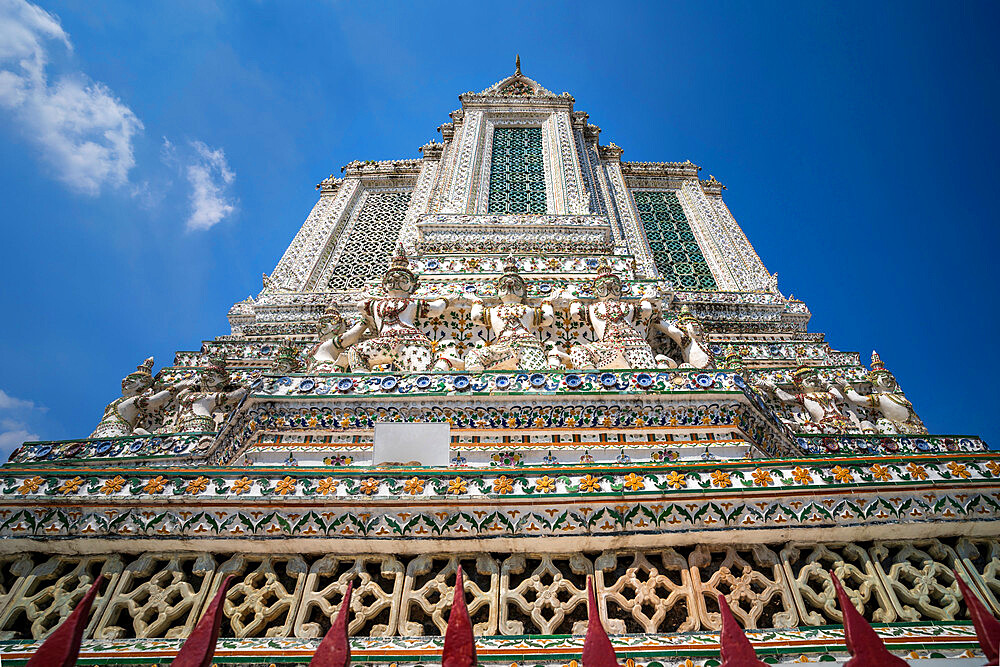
(429, 590)
(517, 171)
(52, 589)
(646, 591)
(544, 594)
(158, 595)
(161, 595)
(807, 568)
(372, 238)
(378, 587)
(752, 580)
(262, 601)
(13, 569)
(981, 558)
(675, 249)
(919, 577)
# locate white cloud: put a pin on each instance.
(14, 438)
(210, 178)
(23, 27)
(13, 430)
(168, 153)
(8, 402)
(84, 132)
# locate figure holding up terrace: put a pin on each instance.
(514, 324)
(388, 337)
(619, 344)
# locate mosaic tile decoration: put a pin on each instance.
(517, 174)
(915, 641)
(675, 249)
(501, 502)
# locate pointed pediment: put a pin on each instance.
(516, 85)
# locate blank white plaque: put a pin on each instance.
(429, 444)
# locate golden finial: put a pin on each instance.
(517, 64)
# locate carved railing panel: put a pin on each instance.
(158, 595)
(752, 580)
(13, 570)
(429, 590)
(262, 601)
(52, 589)
(807, 568)
(646, 591)
(162, 595)
(378, 588)
(544, 594)
(981, 558)
(918, 576)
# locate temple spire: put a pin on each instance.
(517, 64)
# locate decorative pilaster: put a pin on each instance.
(755, 276)
(420, 201)
(463, 164)
(627, 212)
(576, 197)
(708, 230)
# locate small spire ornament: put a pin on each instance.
(143, 370)
(62, 647)
(685, 316)
(510, 264)
(987, 626)
(335, 649)
(217, 362)
(146, 367)
(735, 648)
(877, 364)
(399, 258)
(865, 646)
(459, 641)
(199, 648)
(597, 649)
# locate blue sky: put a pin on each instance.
(157, 157)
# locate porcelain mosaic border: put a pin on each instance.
(523, 502)
(915, 641)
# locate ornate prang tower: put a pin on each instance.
(520, 354)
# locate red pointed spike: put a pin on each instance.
(62, 647)
(459, 642)
(735, 649)
(597, 649)
(335, 649)
(198, 649)
(865, 646)
(987, 626)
